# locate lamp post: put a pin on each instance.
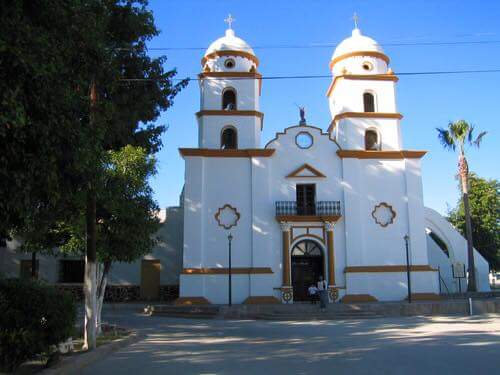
(229, 239)
(227, 217)
(407, 238)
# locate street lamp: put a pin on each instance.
(229, 239)
(227, 217)
(407, 239)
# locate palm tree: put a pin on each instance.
(457, 136)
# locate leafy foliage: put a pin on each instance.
(33, 317)
(484, 196)
(126, 223)
(458, 135)
(50, 52)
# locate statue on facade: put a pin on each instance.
(302, 112)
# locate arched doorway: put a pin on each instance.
(307, 267)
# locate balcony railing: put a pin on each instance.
(321, 208)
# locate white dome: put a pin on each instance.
(357, 43)
(229, 42)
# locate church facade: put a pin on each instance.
(343, 204)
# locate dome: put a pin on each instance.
(229, 42)
(357, 43)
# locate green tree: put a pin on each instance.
(76, 82)
(457, 137)
(484, 198)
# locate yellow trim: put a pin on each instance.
(391, 268)
(367, 154)
(425, 297)
(221, 112)
(380, 55)
(230, 75)
(355, 298)
(215, 153)
(367, 77)
(192, 301)
(215, 54)
(305, 167)
(261, 300)
(344, 115)
(236, 75)
(225, 271)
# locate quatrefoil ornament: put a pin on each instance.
(383, 214)
(227, 216)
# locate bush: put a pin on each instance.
(33, 317)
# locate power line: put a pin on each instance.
(331, 45)
(319, 76)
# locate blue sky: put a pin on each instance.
(426, 101)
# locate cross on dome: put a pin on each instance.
(229, 20)
(355, 18)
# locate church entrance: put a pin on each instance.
(307, 267)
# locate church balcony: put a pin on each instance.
(320, 211)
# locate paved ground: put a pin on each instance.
(413, 345)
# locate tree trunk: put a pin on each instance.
(90, 282)
(90, 277)
(34, 268)
(464, 176)
(103, 280)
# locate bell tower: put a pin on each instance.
(362, 96)
(230, 86)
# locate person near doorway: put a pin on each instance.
(323, 296)
(313, 294)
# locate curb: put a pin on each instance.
(74, 364)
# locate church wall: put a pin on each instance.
(348, 96)
(248, 130)
(245, 93)
(354, 65)
(242, 64)
(265, 229)
(391, 286)
(351, 133)
(321, 156)
(223, 181)
(227, 181)
(416, 221)
(193, 213)
(379, 181)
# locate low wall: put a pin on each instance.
(123, 293)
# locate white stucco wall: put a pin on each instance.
(457, 246)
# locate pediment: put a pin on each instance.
(305, 171)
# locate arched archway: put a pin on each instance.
(308, 264)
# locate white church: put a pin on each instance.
(342, 203)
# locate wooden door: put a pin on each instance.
(150, 279)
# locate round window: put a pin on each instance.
(304, 140)
(367, 66)
(229, 63)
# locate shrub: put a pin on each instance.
(33, 317)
